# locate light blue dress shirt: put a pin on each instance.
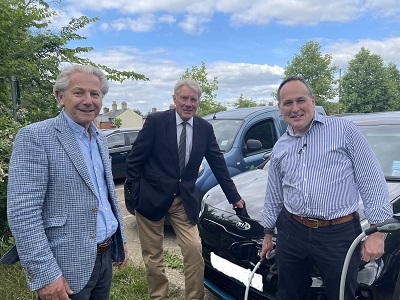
(323, 173)
(106, 222)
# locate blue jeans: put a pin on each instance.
(299, 247)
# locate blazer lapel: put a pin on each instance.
(172, 139)
(71, 146)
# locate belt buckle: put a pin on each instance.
(313, 220)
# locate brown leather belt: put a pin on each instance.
(315, 223)
(104, 247)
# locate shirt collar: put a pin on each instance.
(318, 118)
(78, 129)
(179, 120)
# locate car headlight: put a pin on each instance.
(201, 170)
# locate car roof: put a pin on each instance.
(243, 113)
(380, 118)
(116, 130)
(240, 113)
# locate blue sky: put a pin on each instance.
(245, 44)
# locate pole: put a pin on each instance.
(15, 95)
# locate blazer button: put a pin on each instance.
(180, 180)
(93, 235)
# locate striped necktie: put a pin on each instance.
(182, 148)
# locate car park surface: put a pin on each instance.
(232, 239)
(119, 145)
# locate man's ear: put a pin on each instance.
(59, 97)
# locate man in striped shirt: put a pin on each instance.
(318, 170)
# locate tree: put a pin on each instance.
(369, 86)
(242, 102)
(208, 105)
(34, 52)
(117, 122)
(136, 110)
(316, 68)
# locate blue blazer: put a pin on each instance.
(52, 205)
(153, 167)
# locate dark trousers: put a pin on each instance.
(298, 248)
(99, 285)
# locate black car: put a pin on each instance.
(119, 145)
(232, 239)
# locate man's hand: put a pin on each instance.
(373, 247)
(267, 246)
(239, 204)
(56, 290)
(121, 264)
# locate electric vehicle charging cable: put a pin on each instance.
(389, 225)
(246, 294)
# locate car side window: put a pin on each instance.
(132, 137)
(263, 131)
(116, 140)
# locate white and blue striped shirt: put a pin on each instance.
(321, 174)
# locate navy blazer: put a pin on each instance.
(153, 167)
(52, 205)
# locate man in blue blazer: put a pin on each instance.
(61, 201)
(161, 180)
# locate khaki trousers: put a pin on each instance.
(151, 235)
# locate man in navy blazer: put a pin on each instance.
(159, 187)
(62, 205)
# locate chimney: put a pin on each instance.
(106, 110)
(114, 106)
(123, 104)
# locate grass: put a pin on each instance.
(173, 261)
(128, 283)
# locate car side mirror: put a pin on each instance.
(252, 146)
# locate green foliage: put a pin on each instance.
(173, 261)
(117, 122)
(242, 102)
(33, 51)
(314, 67)
(8, 130)
(208, 105)
(138, 112)
(128, 283)
(369, 86)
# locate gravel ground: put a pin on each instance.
(175, 277)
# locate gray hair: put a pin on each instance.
(294, 78)
(62, 80)
(189, 82)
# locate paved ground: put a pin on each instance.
(174, 276)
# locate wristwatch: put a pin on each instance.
(269, 231)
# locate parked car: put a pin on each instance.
(119, 145)
(232, 241)
(245, 136)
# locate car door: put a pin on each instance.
(119, 150)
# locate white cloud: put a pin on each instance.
(344, 51)
(305, 12)
(386, 8)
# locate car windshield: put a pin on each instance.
(385, 142)
(225, 132)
